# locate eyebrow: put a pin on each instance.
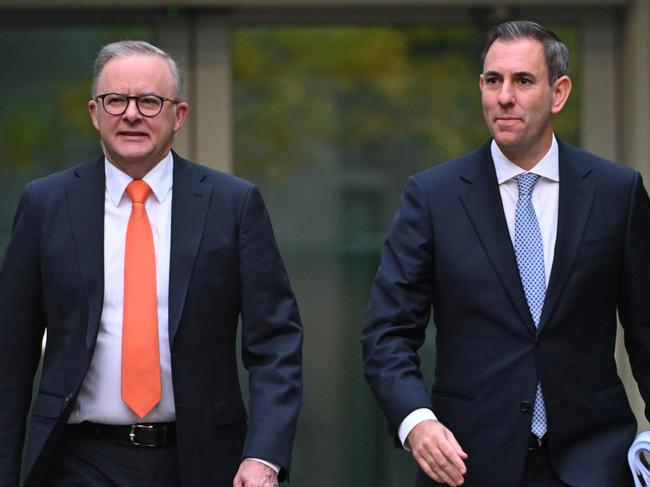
(518, 74)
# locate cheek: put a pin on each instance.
(541, 104)
(99, 121)
(489, 100)
(488, 108)
(540, 112)
(105, 124)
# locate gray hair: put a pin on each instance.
(555, 52)
(124, 49)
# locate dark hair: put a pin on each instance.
(555, 52)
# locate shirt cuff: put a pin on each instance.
(275, 467)
(411, 421)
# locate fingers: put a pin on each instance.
(440, 468)
(252, 473)
(455, 445)
(438, 453)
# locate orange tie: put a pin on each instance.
(141, 389)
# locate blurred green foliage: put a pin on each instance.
(373, 97)
(45, 94)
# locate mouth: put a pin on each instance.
(132, 134)
(507, 119)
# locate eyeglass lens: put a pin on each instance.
(148, 105)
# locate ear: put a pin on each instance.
(561, 91)
(481, 81)
(181, 110)
(92, 108)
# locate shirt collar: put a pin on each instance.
(160, 180)
(548, 167)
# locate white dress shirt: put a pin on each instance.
(545, 199)
(100, 397)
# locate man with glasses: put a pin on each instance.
(139, 265)
(526, 250)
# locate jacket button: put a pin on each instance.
(524, 406)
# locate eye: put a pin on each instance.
(525, 81)
(491, 80)
(115, 100)
(149, 102)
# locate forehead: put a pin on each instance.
(520, 55)
(135, 75)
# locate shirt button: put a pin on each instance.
(524, 406)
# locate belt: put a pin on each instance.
(535, 443)
(140, 435)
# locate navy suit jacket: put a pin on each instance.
(449, 250)
(224, 264)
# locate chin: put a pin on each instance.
(134, 155)
(506, 140)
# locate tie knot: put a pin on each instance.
(138, 191)
(526, 182)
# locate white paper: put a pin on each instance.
(640, 446)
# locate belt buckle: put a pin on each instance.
(132, 434)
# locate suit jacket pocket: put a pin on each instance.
(614, 390)
(230, 411)
(457, 410)
(612, 404)
(598, 246)
(452, 395)
(47, 406)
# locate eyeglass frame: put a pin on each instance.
(137, 98)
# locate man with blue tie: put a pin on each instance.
(139, 265)
(526, 250)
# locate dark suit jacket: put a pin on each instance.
(449, 248)
(224, 264)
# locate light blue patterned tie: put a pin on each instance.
(530, 260)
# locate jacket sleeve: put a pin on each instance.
(634, 289)
(271, 339)
(21, 333)
(399, 310)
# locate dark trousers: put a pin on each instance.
(84, 461)
(539, 470)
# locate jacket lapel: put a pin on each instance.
(482, 200)
(86, 194)
(190, 201)
(576, 199)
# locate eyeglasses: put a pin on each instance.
(147, 105)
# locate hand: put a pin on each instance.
(252, 473)
(437, 452)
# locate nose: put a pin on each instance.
(132, 113)
(506, 94)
